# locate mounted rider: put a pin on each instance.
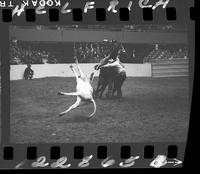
(117, 72)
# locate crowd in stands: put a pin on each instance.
(166, 54)
(22, 55)
(26, 53)
(90, 52)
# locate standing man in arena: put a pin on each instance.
(28, 73)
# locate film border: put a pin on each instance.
(138, 14)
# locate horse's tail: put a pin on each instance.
(95, 108)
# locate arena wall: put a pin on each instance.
(85, 35)
(63, 70)
(170, 68)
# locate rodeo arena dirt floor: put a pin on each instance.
(151, 110)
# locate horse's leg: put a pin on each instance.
(119, 83)
(97, 89)
(98, 86)
(103, 87)
(115, 87)
(100, 80)
(110, 88)
(91, 77)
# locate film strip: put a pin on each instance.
(125, 156)
(104, 143)
(77, 14)
(123, 10)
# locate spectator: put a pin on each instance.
(156, 47)
(133, 54)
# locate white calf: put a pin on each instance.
(84, 91)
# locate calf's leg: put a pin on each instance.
(76, 104)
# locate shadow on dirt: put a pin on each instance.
(77, 119)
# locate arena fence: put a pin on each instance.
(63, 70)
(158, 68)
(170, 68)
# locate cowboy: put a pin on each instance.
(28, 73)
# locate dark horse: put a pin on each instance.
(110, 76)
